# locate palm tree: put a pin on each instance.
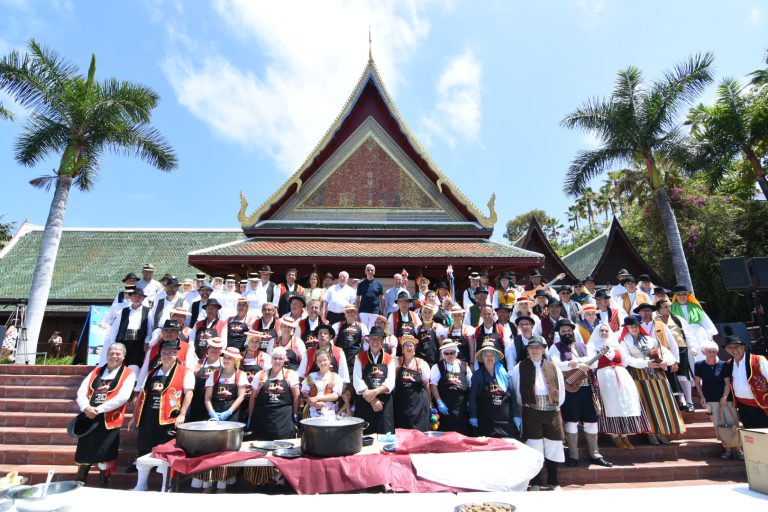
(734, 126)
(5, 113)
(760, 76)
(588, 199)
(78, 119)
(638, 121)
(607, 196)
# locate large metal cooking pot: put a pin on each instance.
(332, 437)
(60, 495)
(203, 437)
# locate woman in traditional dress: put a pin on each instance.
(224, 395)
(588, 322)
(524, 307)
(412, 403)
(450, 379)
(463, 335)
(492, 402)
(647, 361)
(322, 388)
(623, 413)
(295, 349)
(205, 367)
(313, 291)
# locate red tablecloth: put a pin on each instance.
(311, 475)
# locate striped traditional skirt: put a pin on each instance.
(657, 401)
(221, 474)
(261, 475)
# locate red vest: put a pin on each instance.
(171, 397)
(363, 358)
(396, 320)
(114, 418)
(155, 351)
(335, 351)
(219, 325)
(758, 382)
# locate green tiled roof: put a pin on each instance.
(277, 225)
(583, 260)
(91, 263)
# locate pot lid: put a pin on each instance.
(210, 426)
(333, 421)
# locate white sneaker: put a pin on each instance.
(141, 488)
(557, 488)
(534, 488)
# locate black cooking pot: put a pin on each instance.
(332, 437)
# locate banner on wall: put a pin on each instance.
(97, 332)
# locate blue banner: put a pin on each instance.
(98, 328)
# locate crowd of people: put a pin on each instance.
(503, 358)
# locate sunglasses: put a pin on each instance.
(449, 353)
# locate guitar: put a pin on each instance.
(531, 293)
(574, 378)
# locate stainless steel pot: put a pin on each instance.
(332, 437)
(203, 437)
(59, 496)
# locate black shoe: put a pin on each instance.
(572, 463)
(691, 408)
(602, 462)
(103, 480)
(132, 469)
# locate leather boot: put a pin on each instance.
(82, 473)
(573, 450)
(594, 452)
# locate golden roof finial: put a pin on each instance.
(370, 52)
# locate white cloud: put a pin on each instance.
(312, 63)
(755, 17)
(458, 109)
(591, 9)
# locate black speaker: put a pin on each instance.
(735, 274)
(727, 329)
(759, 270)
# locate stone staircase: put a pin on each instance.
(37, 403)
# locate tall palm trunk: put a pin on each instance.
(41, 282)
(674, 242)
(759, 171)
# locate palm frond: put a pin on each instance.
(44, 182)
(5, 113)
(594, 115)
(144, 142)
(588, 164)
(41, 137)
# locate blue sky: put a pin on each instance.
(248, 88)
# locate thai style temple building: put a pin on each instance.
(536, 240)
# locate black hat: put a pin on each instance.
(517, 320)
(537, 340)
(566, 288)
(602, 294)
(172, 281)
(622, 272)
(253, 275)
(540, 293)
(296, 296)
(200, 275)
(631, 320)
(659, 290)
(483, 273)
(170, 344)
(564, 322)
(481, 289)
(589, 278)
(578, 282)
(323, 325)
(680, 288)
(732, 339)
(130, 276)
(404, 296)
(213, 302)
(645, 305)
(171, 324)
(81, 425)
(507, 275)
(376, 331)
(629, 279)
(474, 275)
(265, 269)
(137, 290)
(644, 277)
(206, 285)
(534, 273)
(441, 284)
(554, 302)
(505, 307)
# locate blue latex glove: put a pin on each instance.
(224, 416)
(214, 416)
(473, 422)
(442, 407)
(518, 423)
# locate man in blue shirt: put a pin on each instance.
(370, 297)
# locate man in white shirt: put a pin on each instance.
(390, 296)
(468, 299)
(147, 283)
(749, 388)
(618, 289)
(121, 300)
(131, 329)
(228, 297)
(161, 309)
(336, 297)
(252, 293)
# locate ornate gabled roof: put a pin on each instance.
(370, 144)
(535, 240)
(603, 256)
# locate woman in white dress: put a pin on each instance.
(623, 413)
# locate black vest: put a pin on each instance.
(159, 309)
(123, 327)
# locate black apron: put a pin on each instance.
(463, 352)
(201, 345)
(102, 444)
(224, 395)
(350, 340)
(197, 410)
(291, 356)
(427, 347)
(251, 367)
(382, 422)
(412, 408)
(404, 327)
(493, 336)
(151, 432)
(493, 415)
(454, 389)
(236, 336)
(264, 342)
(273, 411)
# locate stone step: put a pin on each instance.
(646, 485)
(697, 449)
(25, 454)
(682, 469)
(44, 369)
(38, 405)
(698, 416)
(39, 419)
(72, 381)
(37, 392)
(48, 435)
